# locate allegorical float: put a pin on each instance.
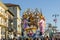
(32, 22)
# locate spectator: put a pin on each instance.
(46, 38)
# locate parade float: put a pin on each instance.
(33, 22)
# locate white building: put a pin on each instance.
(16, 20)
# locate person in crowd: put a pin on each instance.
(47, 38)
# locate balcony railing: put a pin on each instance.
(3, 24)
(3, 15)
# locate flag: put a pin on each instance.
(55, 20)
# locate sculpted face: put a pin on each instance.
(41, 17)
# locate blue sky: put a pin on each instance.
(49, 7)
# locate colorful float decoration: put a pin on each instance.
(42, 24)
(30, 22)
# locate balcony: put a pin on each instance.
(3, 24)
(3, 15)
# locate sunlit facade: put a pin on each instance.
(3, 20)
(16, 19)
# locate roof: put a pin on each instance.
(10, 4)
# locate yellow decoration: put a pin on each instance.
(25, 15)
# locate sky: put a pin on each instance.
(48, 7)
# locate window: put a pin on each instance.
(3, 31)
(2, 10)
(5, 21)
(0, 19)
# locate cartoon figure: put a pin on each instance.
(42, 25)
(25, 21)
(30, 33)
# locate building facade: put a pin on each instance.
(6, 21)
(10, 24)
(16, 19)
(3, 20)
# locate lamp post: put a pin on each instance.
(55, 19)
